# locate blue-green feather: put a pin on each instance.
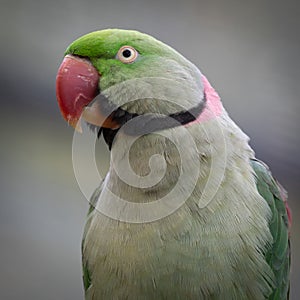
(278, 256)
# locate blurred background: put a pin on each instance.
(249, 50)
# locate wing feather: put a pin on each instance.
(85, 269)
(278, 256)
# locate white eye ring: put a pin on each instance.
(127, 54)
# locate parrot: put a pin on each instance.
(185, 210)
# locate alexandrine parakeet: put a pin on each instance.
(185, 211)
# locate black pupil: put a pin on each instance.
(126, 53)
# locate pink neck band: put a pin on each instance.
(213, 106)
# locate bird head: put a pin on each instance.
(111, 76)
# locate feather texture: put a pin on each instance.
(278, 256)
(217, 252)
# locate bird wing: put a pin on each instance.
(85, 270)
(278, 256)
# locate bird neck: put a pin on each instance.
(146, 168)
(152, 163)
(213, 108)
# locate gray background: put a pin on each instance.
(249, 50)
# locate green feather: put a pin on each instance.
(85, 270)
(156, 60)
(278, 256)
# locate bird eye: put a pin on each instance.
(127, 54)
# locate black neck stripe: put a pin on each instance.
(151, 123)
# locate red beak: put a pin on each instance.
(76, 86)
